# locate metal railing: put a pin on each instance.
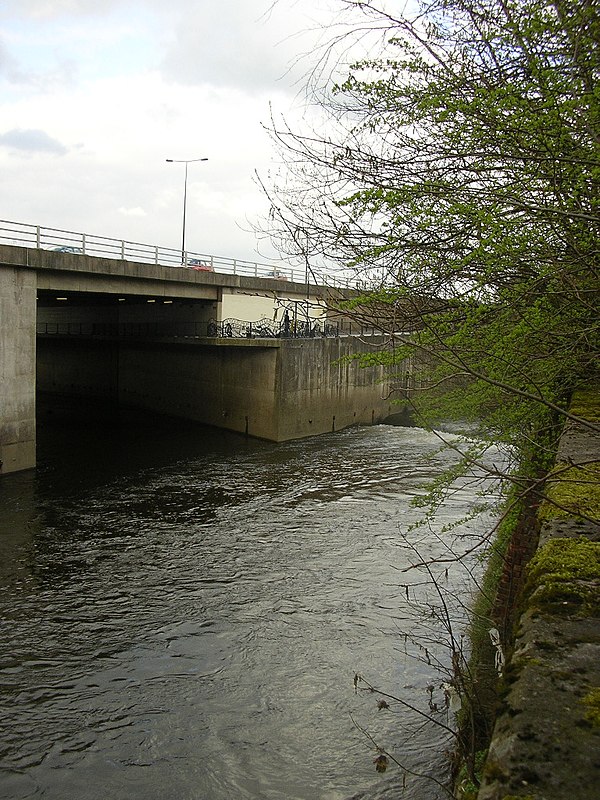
(22, 234)
(227, 329)
(268, 329)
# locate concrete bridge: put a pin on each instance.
(145, 335)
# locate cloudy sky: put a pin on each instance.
(95, 96)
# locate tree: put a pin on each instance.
(460, 179)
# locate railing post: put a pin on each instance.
(122, 249)
(83, 243)
(156, 255)
(38, 237)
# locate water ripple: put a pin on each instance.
(191, 629)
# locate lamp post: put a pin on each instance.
(186, 162)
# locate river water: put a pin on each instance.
(183, 612)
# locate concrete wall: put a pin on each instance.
(227, 386)
(319, 391)
(17, 369)
(274, 389)
(78, 367)
(546, 740)
(129, 311)
(253, 306)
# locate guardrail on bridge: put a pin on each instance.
(22, 234)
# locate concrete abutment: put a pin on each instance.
(17, 369)
(276, 390)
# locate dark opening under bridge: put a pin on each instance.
(174, 340)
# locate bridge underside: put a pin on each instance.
(276, 389)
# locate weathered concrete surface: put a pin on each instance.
(17, 369)
(276, 389)
(546, 742)
(229, 386)
(320, 388)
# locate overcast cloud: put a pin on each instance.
(31, 141)
(94, 97)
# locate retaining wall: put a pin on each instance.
(546, 740)
(277, 389)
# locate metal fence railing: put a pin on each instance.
(22, 234)
(228, 329)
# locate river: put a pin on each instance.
(183, 612)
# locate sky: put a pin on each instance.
(95, 96)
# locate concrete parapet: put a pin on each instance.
(546, 741)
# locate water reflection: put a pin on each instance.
(183, 611)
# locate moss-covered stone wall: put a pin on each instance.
(546, 740)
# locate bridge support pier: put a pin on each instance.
(17, 369)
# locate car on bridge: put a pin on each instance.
(277, 275)
(199, 266)
(65, 248)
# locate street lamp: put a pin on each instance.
(186, 162)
